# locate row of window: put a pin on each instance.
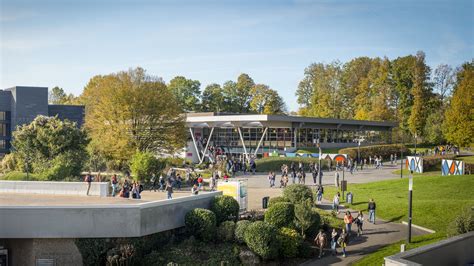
(4, 130)
(4, 115)
(4, 144)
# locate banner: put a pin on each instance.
(237, 190)
(452, 167)
(414, 163)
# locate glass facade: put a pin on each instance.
(5, 132)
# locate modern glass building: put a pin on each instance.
(21, 105)
(255, 134)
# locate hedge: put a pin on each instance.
(376, 150)
(260, 237)
(433, 163)
(277, 199)
(225, 231)
(274, 163)
(297, 193)
(225, 207)
(281, 214)
(240, 228)
(201, 223)
(289, 242)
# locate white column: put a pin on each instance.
(261, 140)
(195, 145)
(207, 145)
(243, 144)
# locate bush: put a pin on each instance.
(376, 150)
(144, 165)
(240, 229)
(225, 231)
(463, 223)
(281, 214)
(307, 219)
(274, 163)
(225, 208)
(297, 193)
(306, 250)
(260, 237)
(277, 199)
(201, 223)
(433, 163)
(289, 242)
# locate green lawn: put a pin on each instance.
(406, 173)
(437, 200)
(466, 159)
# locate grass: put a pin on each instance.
(406, 173)
(466, 159)
(437, 200)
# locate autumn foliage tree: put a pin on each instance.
(131, 111)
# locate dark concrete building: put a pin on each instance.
(21, 105)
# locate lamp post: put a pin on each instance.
(415, 143)
(319, 165)
(358, 151)
(401, 162)
(410, 195)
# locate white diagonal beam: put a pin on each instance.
(207, 145)
(261, 140)
(195, 145)
(243, 144)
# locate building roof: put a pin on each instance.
(258, 120)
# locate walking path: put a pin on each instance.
(374, 237)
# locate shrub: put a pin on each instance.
(260, 237)
(376, 150)
(274, 163)
(281, 214)
(289, 242)
(297, 193)
(240, 229)
(306, 250)
(463, 223)
(201, 223)
(277, 199)
(144, 165)
(433, 163)
(225, 231)
(307, 219)
(225, 208)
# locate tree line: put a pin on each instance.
(428, 104)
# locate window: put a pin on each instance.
(3, 144)
(3, 130)
(3, 116)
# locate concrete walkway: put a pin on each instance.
(374, 236)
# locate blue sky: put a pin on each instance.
(65, 43)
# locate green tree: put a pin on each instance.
(402, 75)
(144, 165)
(421, 92)
(131, 111)
(213, 98)
(52, 148)
(58, 96)
(187, 92)
(458, 126)
(303, 216)
(244, 85)
(266, 101)
(229, 89)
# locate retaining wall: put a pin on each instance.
(53, 187)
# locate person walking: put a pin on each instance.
(336, 179)
(271, 179)
(334, 235)
(169, 189)
(342, 241)
(335, 203)
(314, 172)
(153, 182)
(359, 220)
(320, 193)
(348, 220)
(162, 183)
(194, 190)
(114, 182)
(88, 179)
(371, 209)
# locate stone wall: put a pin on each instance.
(53, 187)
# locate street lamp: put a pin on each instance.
(358, 151)
(319, 165)
(401, 161)
(410, 195)
(415, 143)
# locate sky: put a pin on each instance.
(65, 43)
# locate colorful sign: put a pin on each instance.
(237, 190)
(452, 167)
(414, 163)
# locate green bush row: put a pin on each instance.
(376, 150)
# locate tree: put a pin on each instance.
(303, 216)
(421, 92)
(444, 80)
(52, 148)
(402, 75)
(131, 111)
(243, 87)
(229, 89)
(266, 101)
(458, 126)
(187, 92)
(213, 99)
(58, 96)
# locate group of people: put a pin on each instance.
(234, 165)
